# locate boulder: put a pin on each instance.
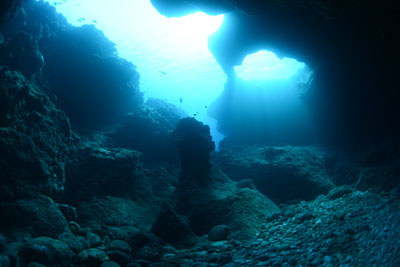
(76, 243)
(92, 257)
(171, 226)
(218, 233)
(39, 216)
(46, 250)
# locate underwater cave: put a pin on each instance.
(199, 133)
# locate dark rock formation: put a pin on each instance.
(195, 144)
(149, 130)
(35, 137)
(171, 226)
(8, 8)
(283, 173)
(22, 53)
(205, 196)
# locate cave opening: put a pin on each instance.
(174, 60)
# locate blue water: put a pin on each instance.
(171, 54)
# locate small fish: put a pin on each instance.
(195, 114)
(180, 100)
(95, 21)
(205, 106)
(162, 72)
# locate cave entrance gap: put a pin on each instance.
(171, 54)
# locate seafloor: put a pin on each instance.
(88, 179)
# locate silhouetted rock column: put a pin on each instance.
(194, 144)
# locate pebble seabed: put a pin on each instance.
(343, 228)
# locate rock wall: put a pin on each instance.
(36, 138)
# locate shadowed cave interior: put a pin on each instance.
(300, 170)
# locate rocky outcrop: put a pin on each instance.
(284, 173)
(204, 196)
(149, 130)
(35, 137)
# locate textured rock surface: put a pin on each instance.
(353, 228)
(99, 171)
(284, 173)
(44, 217)
(35, 136)
(107, 214)
(222, 201)
(149, 130)
(205, 195)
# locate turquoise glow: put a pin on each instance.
(265, 65)
(171, 54)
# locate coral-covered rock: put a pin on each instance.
(283, 173)
(35, 137)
